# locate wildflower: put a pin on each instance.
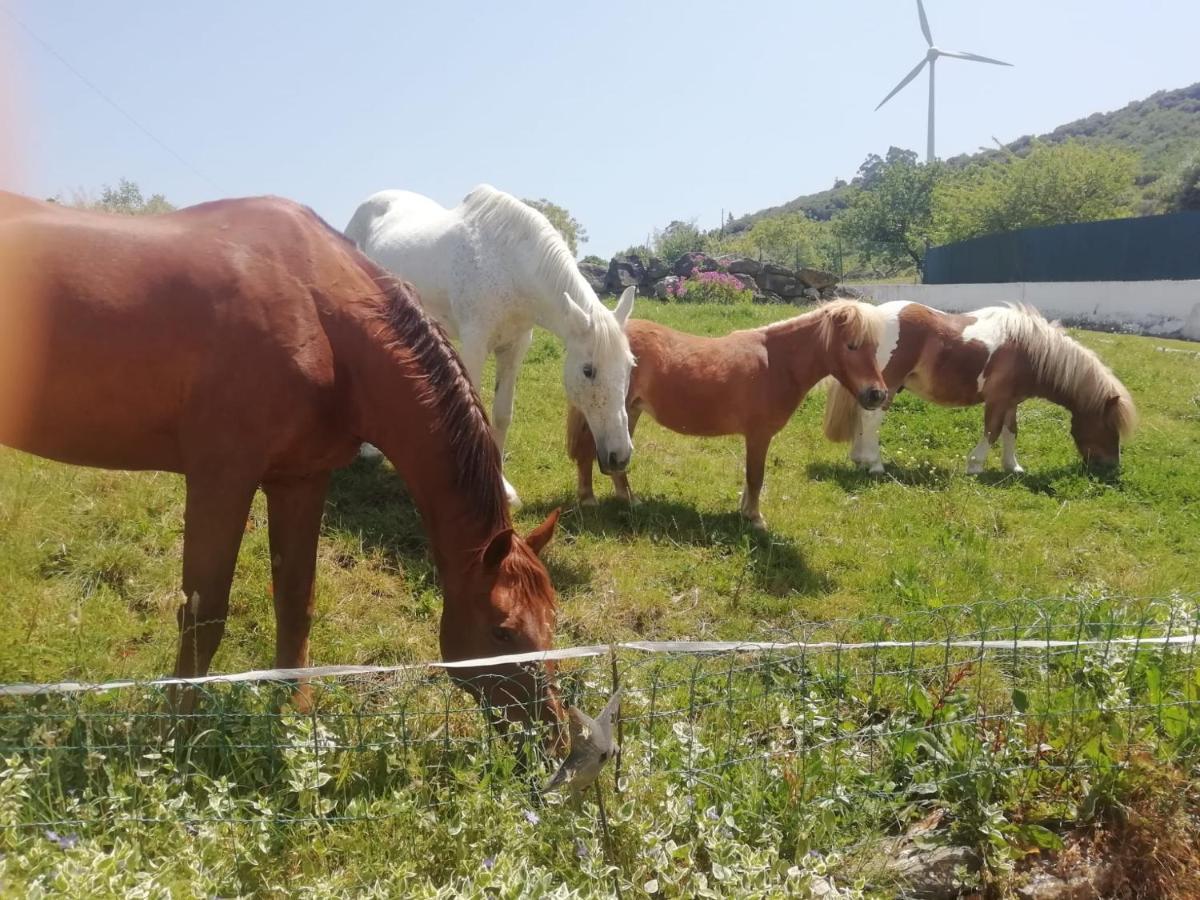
(532, 818)
(64, 841)
(488, 863)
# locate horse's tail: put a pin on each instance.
(581, 447)
(841, 413)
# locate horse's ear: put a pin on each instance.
(540, 536)
(580, 321)
(498, 549)
(625, 305)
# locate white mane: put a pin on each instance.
(523, 230)
(1059, 361)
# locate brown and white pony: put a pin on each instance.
(748, 382)
(246, 344)
(997, 356)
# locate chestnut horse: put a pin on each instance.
(997, 356)
(748, 383)
(245, 343)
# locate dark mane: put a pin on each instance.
(447, 390)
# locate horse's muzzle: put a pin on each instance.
(872, 397)
(612, 463)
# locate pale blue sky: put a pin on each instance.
(628, 113)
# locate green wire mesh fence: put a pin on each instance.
(837, 731)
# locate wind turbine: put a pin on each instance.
(931, 58)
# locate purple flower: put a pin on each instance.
(532, 818)
(581, 849)
(488, 862)
(711, 814)
(64, 841)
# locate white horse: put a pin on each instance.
(489, 270)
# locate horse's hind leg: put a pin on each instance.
(294, 511)
(756, 467)
(214, 521)
(581, 447)
(620, 480)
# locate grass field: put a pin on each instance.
(90, 560)
(90, 565)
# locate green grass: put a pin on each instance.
(90, 564)
(90, 560)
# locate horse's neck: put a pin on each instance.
(548, 286)
(390, 413)
(796, 347)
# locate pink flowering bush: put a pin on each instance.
(711, 287)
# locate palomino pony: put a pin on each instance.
(748, 382)
(489, 270)
(997, 356)
(246, 343)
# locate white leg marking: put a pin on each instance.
(978, 456)
(872, 458)
(1008, 444)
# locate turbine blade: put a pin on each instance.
(924, 23)
(974, 57)
(907, 78)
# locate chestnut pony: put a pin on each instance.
(997, 356)
(245, 343)
(748, 383)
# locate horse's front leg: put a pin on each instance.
(756, 467)
(214, 521)
(866, 451)
(294, 511)
(1008, 443)
(620, 480)
(508, 363)
(474, 353)
(994, 415)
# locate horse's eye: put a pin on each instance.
(589, 371)
(502, 634)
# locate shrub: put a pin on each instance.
(711, 287)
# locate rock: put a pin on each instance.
(810, 295)
(745, 281)
(691, 262)
(664, 286)
(767, 297)
(847, 293)
(657, 269)
(776, 269)
(595, 275)
(826, 293)
(817, 278)
(930, 874)
(741, 265)
(624, 271)
(782, 283)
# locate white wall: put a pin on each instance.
(1165, 308)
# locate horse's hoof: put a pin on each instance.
(974, 468)
(589, 500)
(875, 469)
(1016, 470)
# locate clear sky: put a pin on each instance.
(628, 113)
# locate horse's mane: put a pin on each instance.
(862, 321)
(1062, 363)
(522, 229)
(447, 391)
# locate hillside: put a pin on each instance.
(1161, 128)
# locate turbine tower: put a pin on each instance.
(931, 58)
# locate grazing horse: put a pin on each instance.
(245, 343)
(997, 356)
(748, 382)
(489, 270)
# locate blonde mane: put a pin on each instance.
(861, 321)
(525, 231)
(1063, 364)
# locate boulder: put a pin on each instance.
(776, 269)
(595, 275)
(817, 278)
(767, 297)
(810, 295)
(694, 261)
(657, 269)
(827, 293)
(624, 271)
(784, 284)
(741, 265)
(847, 293)
(664, 286)
(745, 281)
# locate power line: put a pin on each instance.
(109, 100)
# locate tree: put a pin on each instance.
(890, 217)
(564, 223)
(677, 239)
(126, 199)
(1054, 184)
(1185, 191)
(787, 239)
